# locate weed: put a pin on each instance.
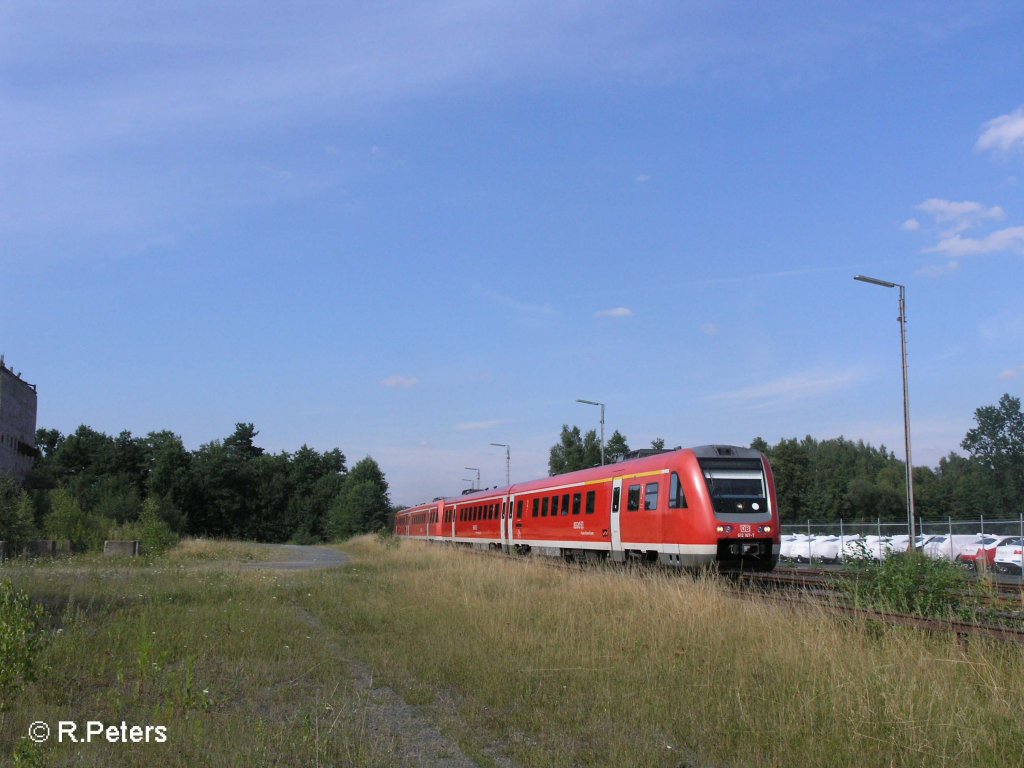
(20, 640)
(911, 583)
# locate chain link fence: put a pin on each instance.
(816, 543)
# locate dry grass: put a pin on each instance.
(603, 667)
(220, 550)
(553, 667)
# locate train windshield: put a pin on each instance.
(736, 486)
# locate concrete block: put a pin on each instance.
(41, 548)
(121, 548)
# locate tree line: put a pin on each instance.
(840, 478)
(88, 484)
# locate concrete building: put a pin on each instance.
(17, 423)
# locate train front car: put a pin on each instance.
(735, 491)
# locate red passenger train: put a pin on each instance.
(714, 504)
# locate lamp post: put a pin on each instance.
(906, 397)
(508, 461)
(591, 402)
(474, 469)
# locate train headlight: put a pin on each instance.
(764, 529)
(725, 529)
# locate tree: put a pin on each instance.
(67, 520)
(567, 454)
(616, 449)
(17, 524)
(363, 505)
(997, 442)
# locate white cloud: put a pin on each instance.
(911, 225)
(1012, 373)
(469, 426)
(709, 329)
(960, 216)
(956, 218)
(400, 382)
(937, 270)
(643, 178)
(1009, 239)
(791, 388)
(615, 312)
(1003, 134)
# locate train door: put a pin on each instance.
(616, 528)
(506, 523)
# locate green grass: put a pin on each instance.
(551, 667)
(222, 658)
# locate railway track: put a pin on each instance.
(820, 588)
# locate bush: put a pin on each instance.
(20, 640)
(911, 583)
(151, 530)
(66, 520)
(17, 521)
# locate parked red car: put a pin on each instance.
(986, 552)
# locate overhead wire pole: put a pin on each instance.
(474, 469)
(591, 402)
(508, 461)
(906, 398)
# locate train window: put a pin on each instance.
(633, 500)
(536, 507)
(676, 497)
(519, 508)
(591, 498)
(554, 506)
(615, 499)
(565, 504)
(576, 498)
(544, 507)
(651, 496)
(490, 511)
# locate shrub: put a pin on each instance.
(16, 516)
(19, 641)
(910, 583)
(66, 520)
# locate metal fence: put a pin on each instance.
(892, 536)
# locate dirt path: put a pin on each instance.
(294, 557)
(416, 740)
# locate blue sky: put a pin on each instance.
(412, 229)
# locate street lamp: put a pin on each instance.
(591, 402)
(474, 469)
(906, 397)
(508, 460)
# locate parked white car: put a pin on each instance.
(946, 547)
(1010, 556)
